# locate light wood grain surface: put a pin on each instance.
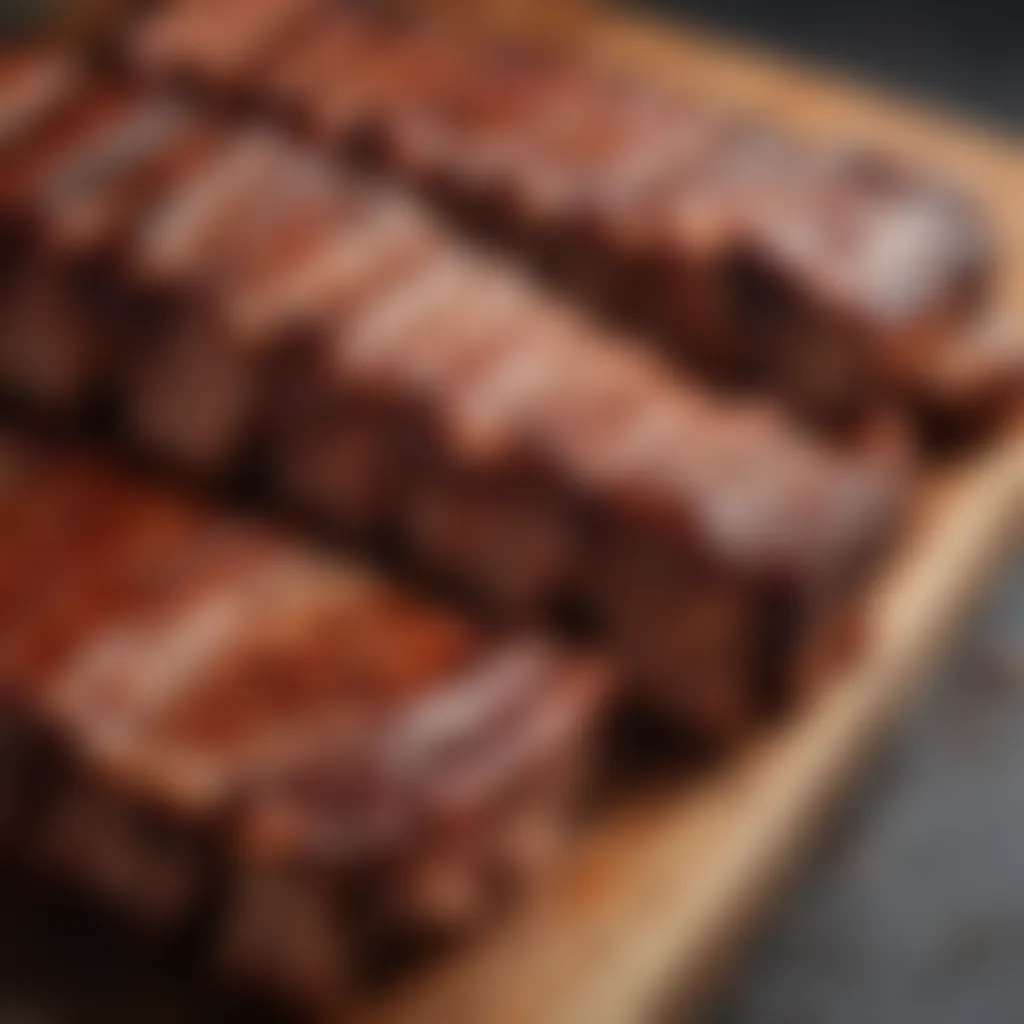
(660, 893)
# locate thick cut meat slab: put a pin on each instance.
(829, 276)
(198, 714)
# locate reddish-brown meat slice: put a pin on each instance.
(766, 262)
(196, 712)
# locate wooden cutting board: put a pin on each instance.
(660, 893)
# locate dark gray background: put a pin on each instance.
(966, 52)
(913, 911)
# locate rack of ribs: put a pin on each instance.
(829, 275)
(209, 728)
